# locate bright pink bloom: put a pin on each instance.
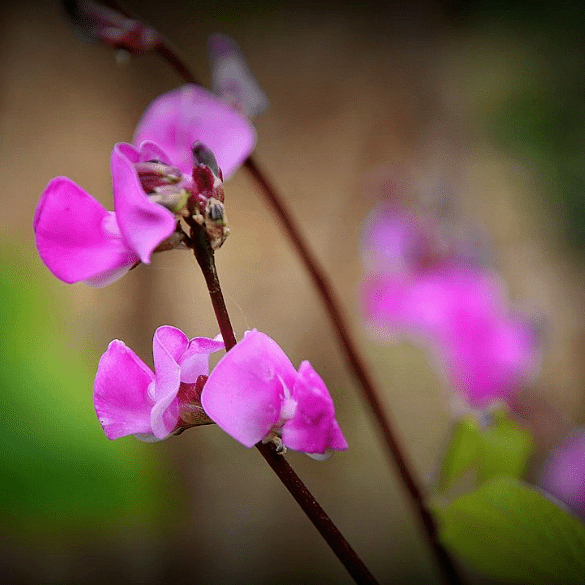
(255, 390)
(79, 240)
(130, 400)
(455, 308)
(179, 118)
(563, 474)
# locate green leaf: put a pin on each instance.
(463, 452)
(509, 531)
(505, 448)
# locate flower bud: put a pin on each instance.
(215, 223)
(202, 155)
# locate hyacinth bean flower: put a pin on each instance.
(253, 394)
(450, 305)
(130, 399)
(255, 391)
(179, 118)
(563, 474)
(80, 241)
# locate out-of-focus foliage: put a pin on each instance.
(542, 119)
(511, 532)
(500, 449)
(506, 447)
(56, 467)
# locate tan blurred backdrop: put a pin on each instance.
(356, 95)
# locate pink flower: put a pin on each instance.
(79, 240)
(179, 118)
(130, 400)
(448, 304)
(255, 391)
(563, 474)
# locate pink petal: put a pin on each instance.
(245, 391)
(76, 236)
(143, 223)
(179, 118)
(491, 359)
(149, 150)
(313, 429)
(195, 360)
(168, 345)
(120, 397)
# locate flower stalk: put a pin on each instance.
(330, 533)
(204, 255)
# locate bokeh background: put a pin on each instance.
(476, 107)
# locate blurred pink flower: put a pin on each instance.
(179, 118)
(449, 304)
(130, 399)
(255, 391)
(563, 474)
(79, 240)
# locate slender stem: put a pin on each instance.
(330, 533)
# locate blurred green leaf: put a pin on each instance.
(505, 448)
(463, 452)
(56, 466)
(509, 531)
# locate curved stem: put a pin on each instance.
(330, 533)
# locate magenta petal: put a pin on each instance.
(143, 223)
(179, 118)
(149, 150)
(491, 358)
(168, 345)
(195, 360)
(245, 391)
(313, 429)
(76, 236)
(120, 397)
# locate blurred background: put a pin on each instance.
(474, 106)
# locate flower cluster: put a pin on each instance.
(253, 393)
(427, 292)
(171, 170)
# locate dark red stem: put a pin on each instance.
(330, 533)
